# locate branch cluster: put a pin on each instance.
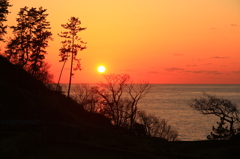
(71, 43)
(117, 99)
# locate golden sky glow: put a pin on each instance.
(160, 41)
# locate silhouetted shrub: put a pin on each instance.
(84, 95)
(222, 108)
(117, 99)
(156, 127)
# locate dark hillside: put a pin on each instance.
(18, 92)
(15, 76)
(24, 98)
(38, 123)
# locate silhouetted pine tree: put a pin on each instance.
(221, 132)
(31, 36)
(4, 4)
(223, 108)
(71, 45)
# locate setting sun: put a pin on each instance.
(101, 69)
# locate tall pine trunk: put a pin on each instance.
(60, 75)
(70, 78)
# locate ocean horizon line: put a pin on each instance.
(162, 83)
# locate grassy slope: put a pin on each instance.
(67, 131)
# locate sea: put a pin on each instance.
(171, 102)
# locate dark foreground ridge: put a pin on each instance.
(36, 122)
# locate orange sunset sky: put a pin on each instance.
(160, 41)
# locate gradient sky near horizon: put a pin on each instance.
(159, 41)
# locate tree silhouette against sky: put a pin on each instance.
(224, 109)
(4, 4)
(31, 35)
(71, 45)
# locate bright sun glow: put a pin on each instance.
(101, 69)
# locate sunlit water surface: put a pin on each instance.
(171, 102)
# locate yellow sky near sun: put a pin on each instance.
(161, 41)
